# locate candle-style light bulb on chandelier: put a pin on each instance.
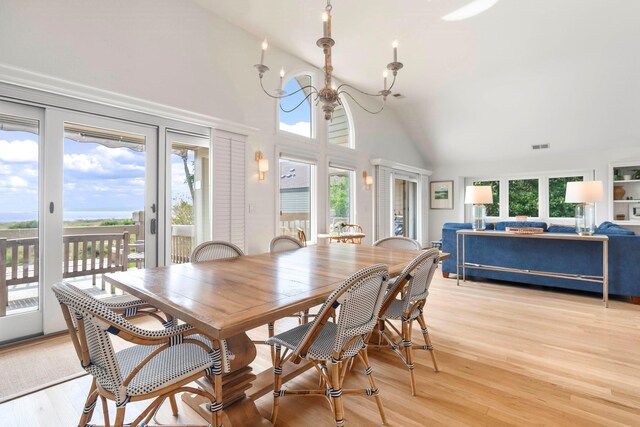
(329, 96)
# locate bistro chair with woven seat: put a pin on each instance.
(405, 301)
(161, 365)
(280, 244)
(353, 228)
(128, 306)
(398, 242)
(330, 347)
(215, 249)
(284, 243)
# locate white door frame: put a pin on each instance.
(29, 324)
(53, 230)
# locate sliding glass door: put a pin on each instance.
(109, 199)
(20, 221)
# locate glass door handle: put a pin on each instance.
(153, 226)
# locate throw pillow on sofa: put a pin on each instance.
(561, 229)
(610, 228)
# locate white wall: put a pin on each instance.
(178, 54)
(597, 161)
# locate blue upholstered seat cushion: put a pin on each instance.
(610, 228)
(500, 226)
(561, 229)
(464, 226)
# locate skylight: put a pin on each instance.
(472, 9)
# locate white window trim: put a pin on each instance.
(314, 115)
(310, 158)
(352, 189)
(543, 193)
(352, 130)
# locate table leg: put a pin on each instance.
(457, 259)
(605, 273)
(238, 410)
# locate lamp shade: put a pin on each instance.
(263, 165)
(584, 192)
(478, 194)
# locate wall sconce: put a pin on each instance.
(263, 165)
(368, 180)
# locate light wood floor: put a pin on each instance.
(508, 355)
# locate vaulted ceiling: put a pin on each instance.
(525, 72)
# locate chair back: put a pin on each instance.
(352, 228)
(414, 282)
(302, 237)
(209, 251)
(90, 322)
(359, 298)
(284, 243)
(398, 242)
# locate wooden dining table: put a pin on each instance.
(226, 298)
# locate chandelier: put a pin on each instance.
(328, 96)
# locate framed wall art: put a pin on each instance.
(441, 195)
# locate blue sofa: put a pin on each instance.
(562, 256)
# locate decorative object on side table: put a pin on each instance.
(442, 195)
(620, 217)
(585, 194)
(524, 230)
(478, 196)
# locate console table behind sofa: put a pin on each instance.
(567, 267)
(536, 254)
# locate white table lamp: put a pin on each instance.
(478, 196)
(585, 194)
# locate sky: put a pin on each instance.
(299, 120)
(96, 178)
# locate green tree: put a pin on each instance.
(523, 197)
(181, 212)
(557, 189)
(339, 195)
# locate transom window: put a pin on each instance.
(339, 127)
(296, 110)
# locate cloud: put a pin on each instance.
(83, 163)
(300, 128)
(15, 184)
(17, 151)
(5, 170)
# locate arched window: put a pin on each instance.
(339, 128)
(296, 111)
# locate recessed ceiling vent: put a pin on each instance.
(540, 147)
(398, 96)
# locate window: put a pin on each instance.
(494, 208)
(341, 207)
(190, 219)
(296, 207)
(339, 127)
(405, 208)
(557, 188)
(296, 109)
(523, 197)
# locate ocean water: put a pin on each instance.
(68, 215)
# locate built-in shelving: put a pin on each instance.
(626, 210)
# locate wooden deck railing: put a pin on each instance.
(84, 255)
